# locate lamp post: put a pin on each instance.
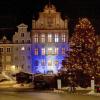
(92, 84)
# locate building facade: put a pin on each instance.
(6, 55)
(49, 40)
(39, 51)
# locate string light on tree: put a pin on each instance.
(83, 55)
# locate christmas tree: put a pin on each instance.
(82, 58)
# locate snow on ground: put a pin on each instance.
(93, 93)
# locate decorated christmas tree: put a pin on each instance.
(82, 58)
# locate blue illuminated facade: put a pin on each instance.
(49, 41)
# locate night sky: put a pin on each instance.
(13, 12)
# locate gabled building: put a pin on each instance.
(22, 57)
(49, 40)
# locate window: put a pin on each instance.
(56, 51)
(49, 51)
(8, 67)
(22, 66)
(23, 57)
(8, 58)
(43, 51)
(16, 58)
(28, 41)
(22, 41)
(43, 62)
(56, 63)
(8, 49)
(29, 67)
(36, 38)
(63, 51)
(28, 49)
(36, 63)
(1, 58)
(29, 57)
(63, 38)
(1, 49)
(56, 38)
(22, 34)
(43, 38)
(36, 51)
(50, 63)
(16, 49)
(49, 37)
(16, 41)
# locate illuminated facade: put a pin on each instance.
(49, 41)
(15, 55)
(6, 54)
(22, 49)
(39, 51)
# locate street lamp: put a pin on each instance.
(92, 84)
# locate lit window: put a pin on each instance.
(8, 58)
(49, 63)
(56, 38)
(43, 38)
(43, 51)
(36, 38)
(8, 67)
(2, 58)
(49, 37)
(43, 62)
(23, 48)
(56, 63)
(63, 51)
(22, 34)
(63, 38)
(56, 51)
(36, 63)
(49, 51)
(8, 49)
(36, 51)
(1, 49)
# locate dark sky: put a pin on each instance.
(13, 12)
